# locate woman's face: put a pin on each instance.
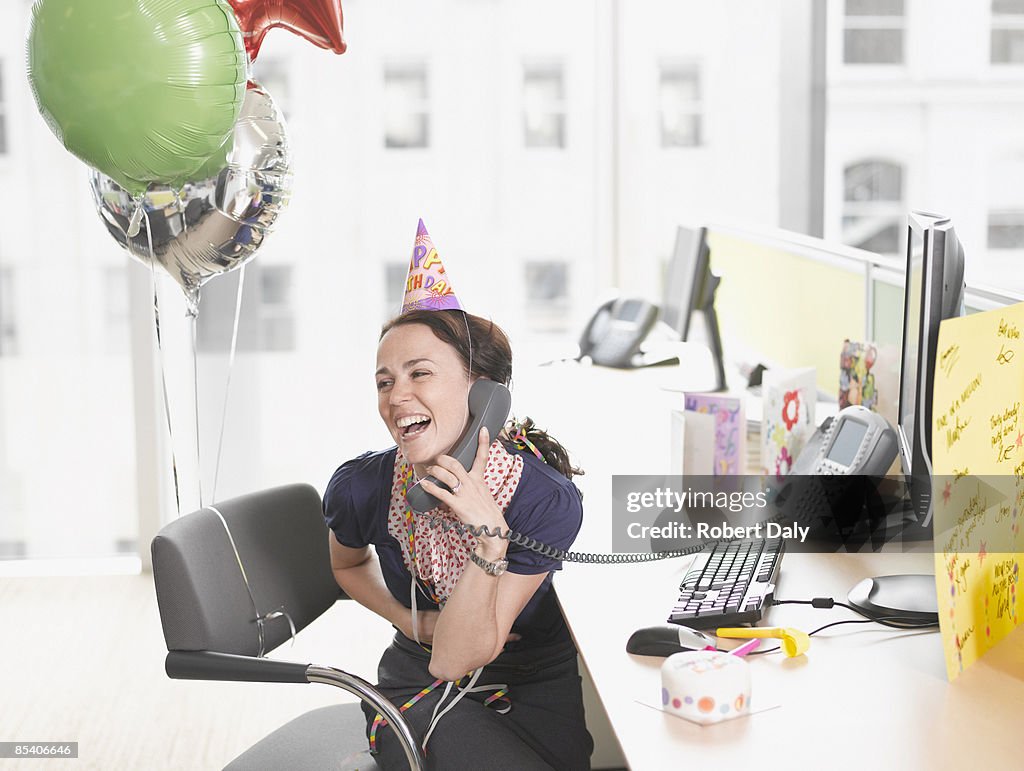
(422, 391)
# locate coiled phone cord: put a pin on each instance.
(445, 524)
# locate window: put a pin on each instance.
(273, 76)
(1007, 42)
(873, 206)
(8, 323)
(394, 287)
(406, 106)
(547, 295)
(1006, 229)
(277, 318)
(266, 317)
(679, 104)
(544, 106)
(873, 32)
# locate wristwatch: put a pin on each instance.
(490, 568)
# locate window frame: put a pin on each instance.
(420, 106)
(691, 109)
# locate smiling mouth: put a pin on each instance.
(414, 429)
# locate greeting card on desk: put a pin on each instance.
(978, 481)
(787, 422)
(693, 433)
(869, 375)
(730, 440)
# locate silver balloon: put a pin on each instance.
(216, 222)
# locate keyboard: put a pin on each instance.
(729, 583)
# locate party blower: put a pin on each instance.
(794, 642)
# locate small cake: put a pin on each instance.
(705, 686)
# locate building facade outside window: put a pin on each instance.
(679, 104)
(277, 314)
(1007, 40)
(1006, 229)
(873, 211)
(406, 106)
(274, 76)
(873, 31)
(547, 295)
(544, 105)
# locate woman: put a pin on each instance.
(466, 611)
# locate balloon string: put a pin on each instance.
(227, 384)
(195, 402)
(163, 370)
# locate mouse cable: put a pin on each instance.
(880, 620)
(895, 622)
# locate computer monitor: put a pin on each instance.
(934, 291)
(690, 287)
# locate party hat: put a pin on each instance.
(427, 286)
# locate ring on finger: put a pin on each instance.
(457, 486)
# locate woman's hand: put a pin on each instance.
(470, 500)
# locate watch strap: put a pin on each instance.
(490, 568)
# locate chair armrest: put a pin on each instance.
(208, 665)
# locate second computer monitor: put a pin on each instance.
(690, 288)
(934, 291)
(684, 282)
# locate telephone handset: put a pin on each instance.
(489, 405)
(614, 333)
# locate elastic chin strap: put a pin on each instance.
(469, 337)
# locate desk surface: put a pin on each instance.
(863, 695)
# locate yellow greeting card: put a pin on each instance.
(978, 481)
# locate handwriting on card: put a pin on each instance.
(1003, 424)
(948, 358)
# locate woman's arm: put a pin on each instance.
(475, 623)
(358, 573)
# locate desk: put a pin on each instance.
(863, 696)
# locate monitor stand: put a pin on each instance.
(908, 599)
(713, 330)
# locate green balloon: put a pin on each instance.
(143, 90)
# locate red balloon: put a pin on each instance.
(319, 21)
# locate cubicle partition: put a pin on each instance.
(785, 301)
(789, 300)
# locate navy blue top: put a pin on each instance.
(545, 506)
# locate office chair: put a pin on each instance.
(212, 586)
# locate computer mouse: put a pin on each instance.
(667, 639)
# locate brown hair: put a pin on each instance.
(485, 352)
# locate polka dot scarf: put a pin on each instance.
(438, 558)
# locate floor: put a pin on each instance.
(81, 659)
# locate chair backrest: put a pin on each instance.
(281, 540)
